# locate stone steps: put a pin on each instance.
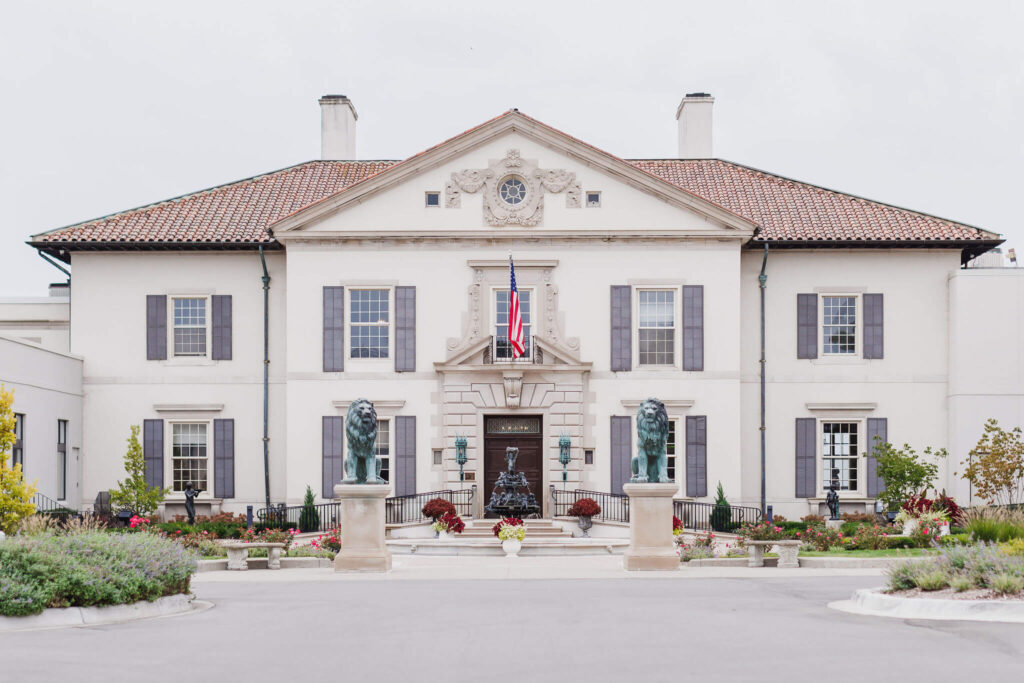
(547, 546)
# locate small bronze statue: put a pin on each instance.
(832, 501)
(190, 502)
(511, 453)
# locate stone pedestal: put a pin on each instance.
(650, 528)
(362, 528)
(834, 523)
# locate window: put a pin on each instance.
(502, 347)
(588, 456)
(62, 459)
(512, 190)
(438, 456)
(383, 448)
(369, 323)
(839, 454)
(593, 200)
(188, 455)
(18, 454)
(670, 449)
(190, 327)
(839, 325)
(657, 333)
(433, 199)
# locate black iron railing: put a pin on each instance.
(409, 509)
(711, 517)
(328, 516)
(48, 506)
(614, 506)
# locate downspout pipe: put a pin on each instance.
(266, 376)
(763, 280)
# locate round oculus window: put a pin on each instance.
(512, 190)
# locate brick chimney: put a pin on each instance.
(337, 128)
(694, 117)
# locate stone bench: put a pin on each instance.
(788, 551)
(238, 554)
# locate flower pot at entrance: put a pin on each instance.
(512, 547)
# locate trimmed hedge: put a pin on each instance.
(218, 529)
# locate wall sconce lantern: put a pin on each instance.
(564, 443)
(460, 455)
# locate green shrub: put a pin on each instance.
(961, 583)
(721, 515)
(902, 577)
(790, 528)
(310, 551)
(901, 542)
(89, 568)
(1007, 584)
(994, 530)
(955, 539)
(309, 517)
(272, 526)
(216, 529)
(932, 580)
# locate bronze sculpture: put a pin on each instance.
(832, 501)
(190, 502)
(362, 466)
(650, 464)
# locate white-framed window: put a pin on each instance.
(502, 346)
(657, 318)
(593, 199)
(369, 323)
(670, 448)
(840, 455)
(432, 199)
(189, 328)
(839, 321)
(190, 461)
(62, 459)
(383, 448)
(18, 453)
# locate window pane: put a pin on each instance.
(190, 327)
(839, 454)
(188, 455)
(502, 347)
(670, 449)
(369, 320)
(839, 324)
(656, 337)
(383, 449)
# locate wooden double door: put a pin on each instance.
(524, 433)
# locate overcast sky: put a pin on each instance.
(109, 105)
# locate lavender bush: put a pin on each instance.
(89, 568)
(962, 567)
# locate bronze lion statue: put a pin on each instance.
(362, 466)
(650, 464)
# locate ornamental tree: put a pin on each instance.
(134, 493)
(15, 494)
(904, 472)
(996, 466)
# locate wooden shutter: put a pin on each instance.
(806, 325)
(622, 328)
(156, 327)
(333, 468)
(153, 451)
(334, 331)
(806, 464)
(403, 471)
(221, 332)
(405, 329)
(621, 452)
(877, 426)
(696, 456)
(874, 337)
(693, 327)
(224, 458)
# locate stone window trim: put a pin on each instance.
(432, 199)
(386, 360)
(857, 467)
(169, 457)
(593, 199)
(841, 303)
(640, 293)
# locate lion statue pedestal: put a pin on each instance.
(362, 528)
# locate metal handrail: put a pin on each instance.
(614, 506)
(529, 357)
(710, 517)
(48, 506)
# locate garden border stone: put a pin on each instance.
(68, 617)
(873, 602)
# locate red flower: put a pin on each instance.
(506, 521)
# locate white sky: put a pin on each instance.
(109, 105)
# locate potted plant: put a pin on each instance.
(584, 509)
(448, 525)
(511, 532)
(435, 509)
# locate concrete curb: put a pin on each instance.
(873, 602)
(68, 617)
(809, 562)
(261, 563)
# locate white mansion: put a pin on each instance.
(389, 280)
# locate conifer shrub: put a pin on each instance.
(309, 517)
(721, 515)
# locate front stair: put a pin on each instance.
(543, 537)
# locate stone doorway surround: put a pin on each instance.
(472, 384)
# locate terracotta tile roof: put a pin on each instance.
(788, 210)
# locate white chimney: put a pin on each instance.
(337, 128)
(694, 117)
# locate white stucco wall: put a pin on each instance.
(40, 320)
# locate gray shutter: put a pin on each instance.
(221, 332)
(693, 327)
(403, 470)
(153, 451)
(156, 327)
(622, 328)
(806, 465)
(806, 325)
(405, 329)
(224, 458)
(621, 452)
(877, 426)
(334, 331)
(333, 467)
(696, 456)
(874, 338)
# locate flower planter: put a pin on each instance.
(909, 527)
(447, 536)
(511, 547)
(585, 522)
(788, 552)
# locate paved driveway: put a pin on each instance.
(770, 629)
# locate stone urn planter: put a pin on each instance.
(909, 527)
(512, 547)
(788, 551)
(448, 536)
(585, 522)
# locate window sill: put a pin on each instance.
(189, 361)
(838, 360)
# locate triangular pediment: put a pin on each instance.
(547, 356)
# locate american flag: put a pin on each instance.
(515, 321)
